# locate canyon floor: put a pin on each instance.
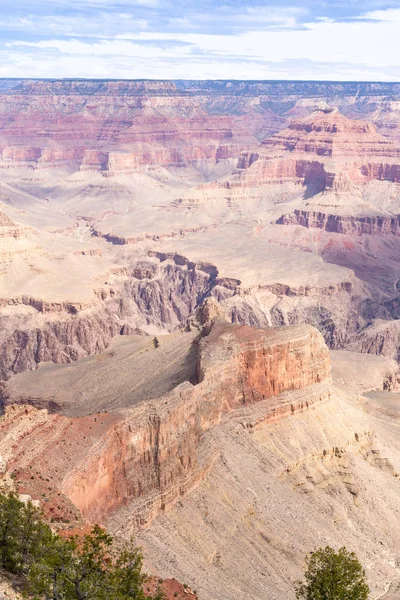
(200, 321)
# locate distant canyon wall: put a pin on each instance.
(346, 224)
(121, 126)
(161, 295)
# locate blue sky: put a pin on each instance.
(201, 39)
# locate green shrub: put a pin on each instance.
(333, 575)
(74, 568)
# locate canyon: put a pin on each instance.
(199, 320)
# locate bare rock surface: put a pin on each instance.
(158, 442)
(133, 369)
(379, 337)
(261, 440)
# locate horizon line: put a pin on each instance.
(228, 80)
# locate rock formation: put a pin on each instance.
(160, 456)
(13, 241)
(136, 218)
(263, 398)
(324, 172)
(325, 152)
(79, 126)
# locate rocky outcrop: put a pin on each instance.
(378, 337)
(322, 149)
(327, 133)
(133, 124)
(149, 456)
(350, 225)
(323, 152)
(158, 298)
(227, 348)
(13, 242)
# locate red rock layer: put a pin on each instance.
(162, 443)
(327, 133)
(118, 127)
(343, 224)
(150, 455)
(320, 149)
(324, 151)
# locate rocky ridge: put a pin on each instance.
(324, 152)
(141, 468)
(159, 443)
(123, 126)
(325, 172)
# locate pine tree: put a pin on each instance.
(333, 575)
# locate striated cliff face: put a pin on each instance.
(379, 337)
(149, 299)
(128, 231)
(161, 294)
(260, 435)
(327, 133)
(346, 196)
(282, 488)
(325, 160)
(13, 242)
(348, 225)
(327, 150)
(117, 127)
(259, 364)
(323, 152)
(325, 172)
(149, 456)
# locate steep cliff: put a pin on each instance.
(145, 299)
(324, 151)
(349, 225)
(150, 455)
(260, 439)
(121, 126)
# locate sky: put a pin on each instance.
(201, 39)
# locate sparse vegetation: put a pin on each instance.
(333, 575)
(67, 568)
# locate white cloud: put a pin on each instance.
(323, 49)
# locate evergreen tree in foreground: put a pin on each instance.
(333, 575)
(72, 568)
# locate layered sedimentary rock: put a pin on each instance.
(162, 292)
(379, 337)
(259, 439)
(152, 454)
(144, 298)
(352, 155)
(126, 216)
(197, 261)
(310, 474)
(13, 242)
(120, 126)
(327, 133)
(353, 225)
(325, 152)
